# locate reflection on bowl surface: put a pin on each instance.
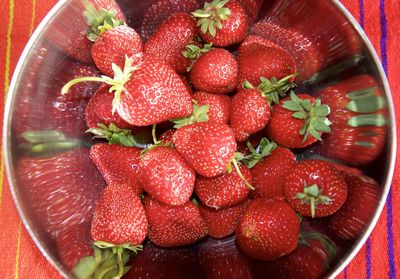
(54, 175)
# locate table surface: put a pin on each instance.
(380, 256)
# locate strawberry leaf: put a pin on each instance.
(211, 16)
(272, 89)
(264, 149)
(114, 135)
(199, 114)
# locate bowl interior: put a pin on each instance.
(328, 48)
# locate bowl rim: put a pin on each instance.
(8, 162)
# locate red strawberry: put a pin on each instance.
(167, 136)
(159, 263)
(207, 147)
(269, 166)
(147, 91)
(362, 199)
(222, 260)
(215, 72)
(297, 34)
(252, 7)
(250, 113)
(74, 244)
(222, 222)
(160, 11)
(62, 189)
(118, 164)
(308, 261)
(187, 84)
(268, 230)
(171, 226)
(222, 22)
(99, 110)
(165, 175)
(224, 190)
(170, 40)
(119, 218)
(250, 109)
(358, 120)
(298, 121)
(259, 57)
(72, 38)
(219, 106)
(315, 188)
(112, 46)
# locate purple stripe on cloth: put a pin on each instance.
(368, 258)
(361, 4)
(389, 207)
(345, 273)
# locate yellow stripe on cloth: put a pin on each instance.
(6, 83)
(33, 17)
(18, 251)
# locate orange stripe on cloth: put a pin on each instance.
(17, 252)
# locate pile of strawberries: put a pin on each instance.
(225, 126)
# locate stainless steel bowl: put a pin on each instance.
(324, 25)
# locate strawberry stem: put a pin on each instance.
(199, 114)
(154, 135)
(121, 77)
(313, 195)
(236, 165)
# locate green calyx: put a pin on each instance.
(264, 149)
(199, 114)
(272, 89)
(114, 135)
(100, 20)
(108, 261)
(47, 142)
(193, 52)
(312, 195)
(234, 164)
(121, 77)
(211, 16)
(314, 116)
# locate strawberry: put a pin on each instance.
(112, 46)
(76, 38)
(187, 84)
(362, 199)
(119, 217)
(207, 147)
(358, 116)
(62, 189)
(160, 11)
(315, 188)
(159, 263)
(258, 57)
(215, 72)
(170, 40)
(222, 222)
(171, 226)
(74, 244)
(99, 110)
(298, 121)
(147, 91)
(117, 164)
(309, 260)
(252, 7)
(224, 190)
(222, 22)
(250, 109)
(167, 136)
(297, 35)
(165, 175)
(269, 165)
(219, 106)
(222, 260)
(268, 230)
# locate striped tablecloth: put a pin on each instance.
(380, 256)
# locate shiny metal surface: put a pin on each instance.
(30, 83)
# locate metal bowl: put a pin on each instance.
(326, 30)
